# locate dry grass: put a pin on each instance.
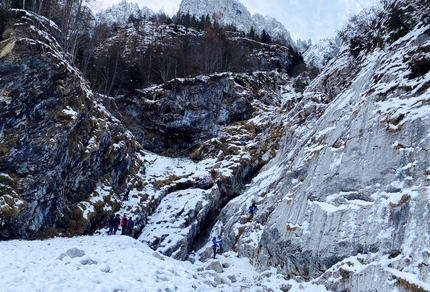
(161, 183)
(291, 228)
(407, 285)
(405, 199)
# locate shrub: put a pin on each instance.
(362, 31)
(397, 23)
(419, 66)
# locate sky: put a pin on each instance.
(304, 19)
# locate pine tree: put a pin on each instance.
(265, 37)
(252, 35)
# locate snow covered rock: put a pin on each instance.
(120, 13)
(53, 149)
(347, 202)
(322, 52)
(233, 12)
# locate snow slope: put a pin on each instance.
(119, 263)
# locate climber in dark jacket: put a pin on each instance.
(252, 209)
(111, 224)
(215, 245)
(116, 222)
(127, 192)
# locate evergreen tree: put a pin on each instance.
(251, 34)
(207, 22)
(265, 37)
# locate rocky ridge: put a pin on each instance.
(120, 13)
(233, 12)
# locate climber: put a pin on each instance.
(116, 223)
(223, 138)
(124, 227)
(126, 194)
(111, 224)
(143, 168)
(252, 209)
(212, 171)
(130, 226)
(215, 245)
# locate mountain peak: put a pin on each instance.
(233, 12)
(120, 12)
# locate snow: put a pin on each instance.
(69, 111)
(86, 208)
(120, 263)
(175, 202)
(321, 53)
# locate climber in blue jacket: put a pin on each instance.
(215, 245)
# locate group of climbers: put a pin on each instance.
(127, 225)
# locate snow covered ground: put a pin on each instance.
(121, 263)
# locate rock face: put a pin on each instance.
(183, 113)
(119, 13)
(230, 11)
(348, 198)
(319, 54)
(201, 110)
(55, 142)
(233, 12)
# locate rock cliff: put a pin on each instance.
(347, 200)
(233, 12)
(56, 143)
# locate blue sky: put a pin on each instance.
(304, 19)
